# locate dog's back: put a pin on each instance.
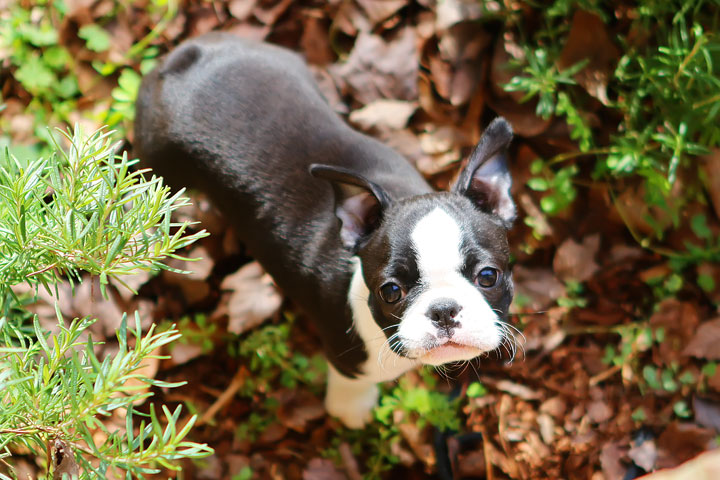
(225, 115)
(242, 121)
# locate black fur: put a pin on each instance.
(244, 122)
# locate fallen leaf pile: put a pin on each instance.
(610, 383)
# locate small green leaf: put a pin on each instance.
(57, 57)
(674, 283)
(639, 415)
(709, 369)
(681, 409)
(96, 38)
(650, 375)
(706, 282)
(476, 389)
(698, 223)
(538, 184)
(35, 76)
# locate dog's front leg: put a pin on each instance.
(350, 399)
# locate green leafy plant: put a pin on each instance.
(272, 360)
(542, 79)
(83, 211)
(273, 364)
(665, 90)
(41, 63)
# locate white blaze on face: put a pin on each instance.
(437, 242)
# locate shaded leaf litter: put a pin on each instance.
(614, 380)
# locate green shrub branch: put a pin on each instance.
(84, 210)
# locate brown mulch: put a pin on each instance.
(576, 403)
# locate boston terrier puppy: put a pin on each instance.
(393, 274)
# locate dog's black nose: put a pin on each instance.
(442, 314)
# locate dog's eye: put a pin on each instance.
(487, 277)
(391, 292)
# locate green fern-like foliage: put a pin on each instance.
(83, 210)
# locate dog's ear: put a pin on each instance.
(359, 203)
(486, 179)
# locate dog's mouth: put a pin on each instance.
(449, 351)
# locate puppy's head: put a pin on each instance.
(436, 266)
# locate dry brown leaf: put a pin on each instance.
(384, 114)
(350, 20)
(707, 413)
(322, 469)
(599, 411)
(634, 210)
(547, 428)
(270, 15)
(471, 464)
(420, 446)
(576, 261)
(682, 441)
(22, 125)
(199, 264)
(407, 144)
(710, 166)
(450, 12)
(379, 69)
(522, 117)
(349, 462)
(194, 285)
(540, 285)
(501, 73)
(182, 353)
(127, 285)
(298, 408)
(680, 321)
(517, 390)
(202, 19)
(122, 40)
(456, 67)
(315, 41)
(253, 300)
(589, 39)
(175, 27)
(555, 406)
(706, 341)
(644, 455)
(251, 31)
(379, 10)
(63, 460)
(88, 301)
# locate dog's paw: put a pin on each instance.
(352, 401)
(354, 412)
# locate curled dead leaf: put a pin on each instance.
(706, 341)
(384, 114)
(710, 167)
(380, 10)
(682, 441)
(322, 469)
(377, 68)
(63, 460)
(576, 261)
(589, 40)
(253, 300)
(298, 408)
